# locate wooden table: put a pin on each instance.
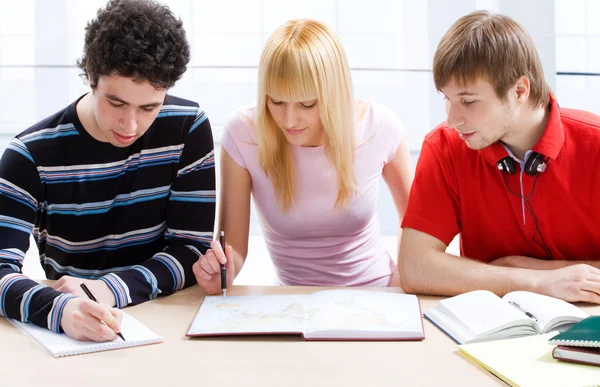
(241, 361)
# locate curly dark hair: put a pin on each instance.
(141, 39)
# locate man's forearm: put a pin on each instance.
(442, 274)
(539, 264)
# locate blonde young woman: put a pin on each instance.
(312, 158)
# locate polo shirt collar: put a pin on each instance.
(549, 144)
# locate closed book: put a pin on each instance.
(581, 355)
(585, 333)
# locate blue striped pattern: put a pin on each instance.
(174, 267)
(195, 250)
(80, 273)
(177, 111)
(15, 223)
(96, 205)
(193, 196)
(15, 193)
(5, 283)
(18, 146)
(50, 133)
(204, 237)
(200, 118)
(55, 315)
(119, 289)
(13, 267)
(26, 301)
(94, 172)
(105, 206)
(205, 162)
(15, 255)
(151, 279)
(108, 242)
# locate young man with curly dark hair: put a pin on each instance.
(118, 188)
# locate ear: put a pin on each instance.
(522, 88)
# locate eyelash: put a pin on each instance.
(147, 110)
(466, 103)
(303, 106)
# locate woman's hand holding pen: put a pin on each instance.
(83, 319)
(208, 268)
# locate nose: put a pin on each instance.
(128, 121)
(454, 117)
(290, 118)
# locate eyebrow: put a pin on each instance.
(467, 93)
(113, 97)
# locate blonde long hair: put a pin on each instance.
(304, 60)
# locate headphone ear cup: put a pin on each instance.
(507, 165)
(535, 164)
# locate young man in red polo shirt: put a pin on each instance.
(509, 170)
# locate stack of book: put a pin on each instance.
(580, 343)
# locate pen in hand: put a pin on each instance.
(223, 268)
(91, 296)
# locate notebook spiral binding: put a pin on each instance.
(576, 343)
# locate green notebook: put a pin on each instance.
(585, 333)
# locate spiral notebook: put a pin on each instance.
(586, 333)
(59, 345)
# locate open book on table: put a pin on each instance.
(481, 315)
(324, 315)
(59, 344)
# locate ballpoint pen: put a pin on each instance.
(91, 296)
(223, 268)
(522, 310)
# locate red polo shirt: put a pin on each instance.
(460, 190)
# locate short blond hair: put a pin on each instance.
(493, 47)
(301, 61)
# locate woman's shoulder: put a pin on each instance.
(241, 124)
(376, 119)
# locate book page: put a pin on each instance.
(251, 314)
(483, 315)
(135, 334)
(551, 313)
(364, 314)
(528, 361)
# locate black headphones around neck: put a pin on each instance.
(536, 163)
(534, 166)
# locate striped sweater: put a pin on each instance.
(136, 218)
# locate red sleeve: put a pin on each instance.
(433, 204)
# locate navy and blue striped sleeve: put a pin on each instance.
(20, 193)
(190, 221)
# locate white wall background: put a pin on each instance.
(390, 45)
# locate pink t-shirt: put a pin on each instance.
(313, 243)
